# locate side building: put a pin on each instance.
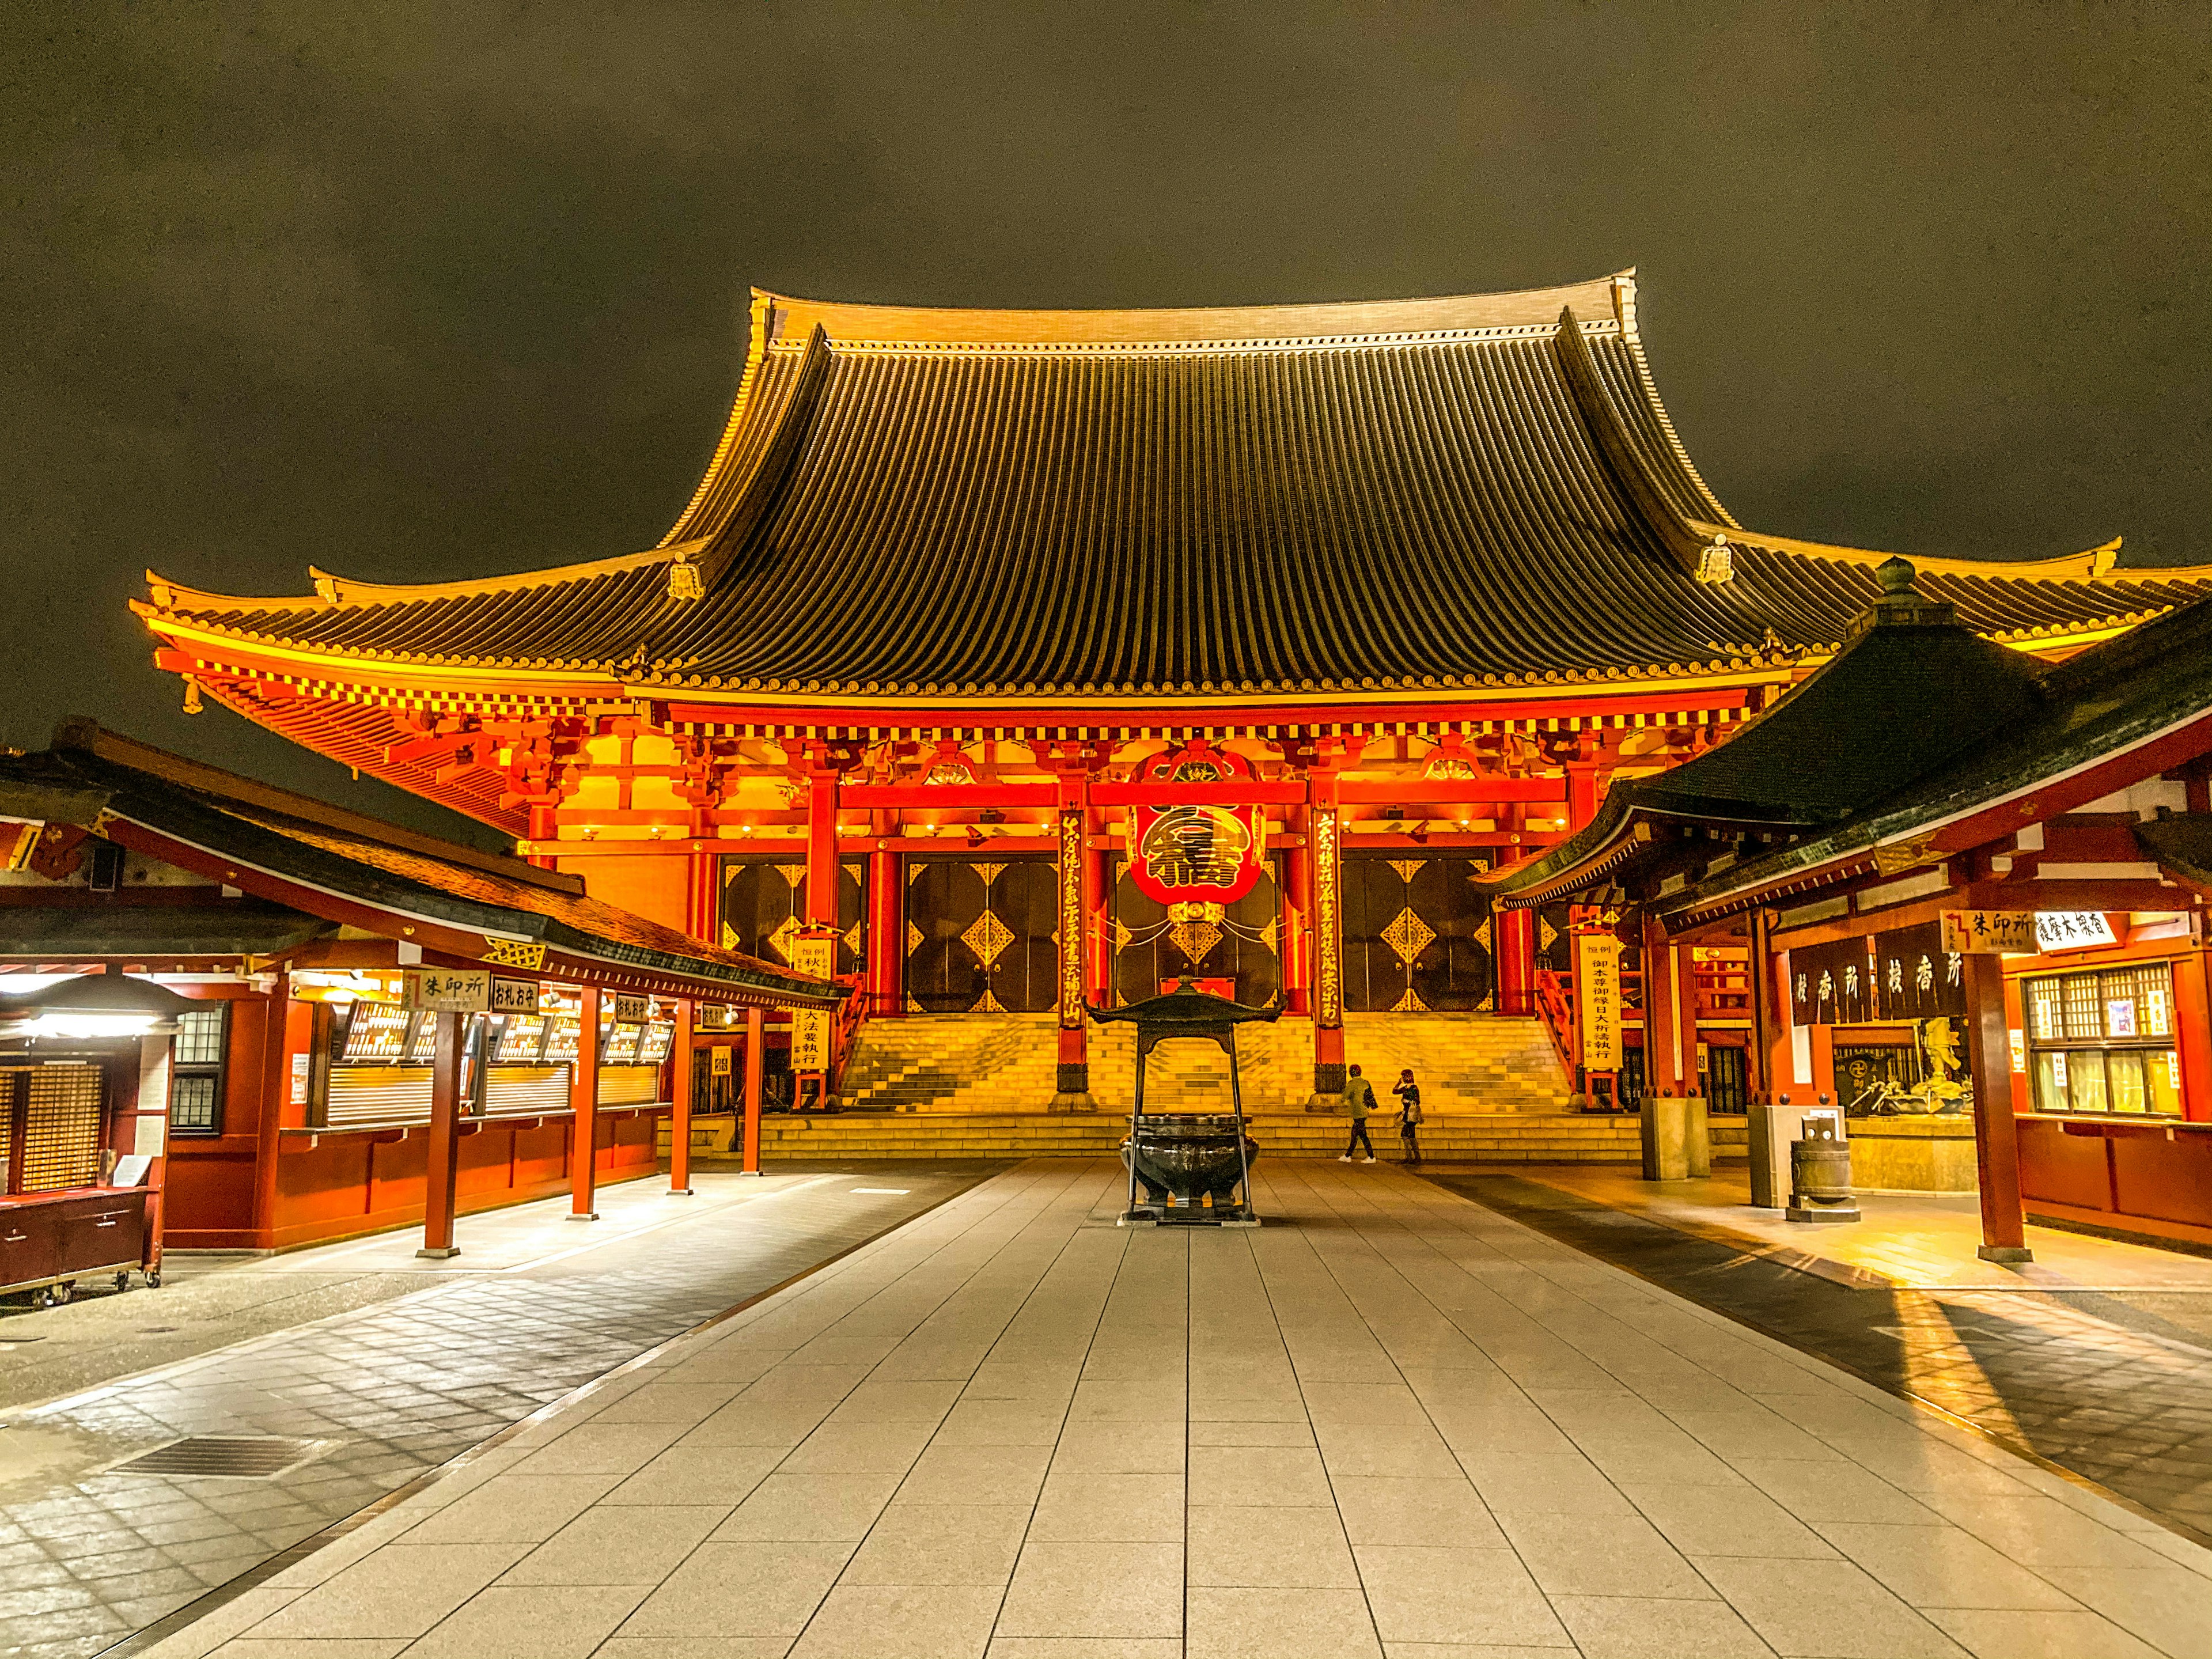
(1040, 657)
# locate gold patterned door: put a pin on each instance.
(1417, 935)
(764, 906)
(980, 935)
(1240, 942)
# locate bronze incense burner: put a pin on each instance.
(1195, 1168)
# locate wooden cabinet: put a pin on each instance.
(48, 1238)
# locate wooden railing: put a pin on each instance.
(845, 1029)
(1555, 1006)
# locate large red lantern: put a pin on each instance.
(1194, 852)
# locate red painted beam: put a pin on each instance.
(1043, 715)
(952, 797)
(1256, 793)
(1416, 791)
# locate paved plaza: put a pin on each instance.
(1391, 1422)
(2097, 1356)
(387, 1366)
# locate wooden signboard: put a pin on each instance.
(449, 990)
(513, 996)
(810, 1027)
(630, 1009)
(718, 1061)
(1597, 1000)
(1986, 932)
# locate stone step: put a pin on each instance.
(951, 1064)
(1484, 1139)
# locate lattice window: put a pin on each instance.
(2102, 1042)
(2084, 1018)
(2043, 1010)
(61, 1137)
(196, 1061)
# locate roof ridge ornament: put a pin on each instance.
(683, 581)
(1716, 561)
(1902, 604)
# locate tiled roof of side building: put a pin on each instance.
(346, 854)
(1274, 498)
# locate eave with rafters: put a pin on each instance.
(1430, 521)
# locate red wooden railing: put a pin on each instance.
(845, 1028)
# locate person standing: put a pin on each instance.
(1409, 1113)
(1359, 1098)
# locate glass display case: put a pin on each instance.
(563, 1038)
(619, 1047)
(520, 1039)
(372, 1033)
(652, 1046)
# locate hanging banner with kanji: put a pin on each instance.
(810, 1027)
(1597, 1000)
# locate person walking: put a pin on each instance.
(1409, 1113)
(1359, 1098)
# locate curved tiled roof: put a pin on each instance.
(1277, 499)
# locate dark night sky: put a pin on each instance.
(442, 289)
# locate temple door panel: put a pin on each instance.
(980, 935)
(1241, 943)
(764, 906)
(1417, 935)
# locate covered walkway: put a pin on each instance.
(1393, 1422)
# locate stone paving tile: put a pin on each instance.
(2099, 1382)
(397, 1387)
(1448, 1436)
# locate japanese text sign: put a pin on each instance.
(810, 1027)
(1597, 1000)
(1986, 932)
(449, 990)
(513, 996)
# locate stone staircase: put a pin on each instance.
(1483, 1137)
(997, 1063)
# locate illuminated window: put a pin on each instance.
(2102, 1042)
(195, 1056)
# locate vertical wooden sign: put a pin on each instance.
(1597, 1000)
(810, 1027)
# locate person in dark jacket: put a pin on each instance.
(1360, 1101)
(1409, 1113)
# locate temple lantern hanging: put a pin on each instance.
(1191, 852)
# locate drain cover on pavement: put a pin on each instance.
(240, 1457)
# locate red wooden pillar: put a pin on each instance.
(1582, 793)
(1662, 1033)
(702, 910)
(1297, 899)
(584, 1101)
(822, 845)
(1996, 1132)
(1097, 906)
(886, 934)
(756, 1066)
(441, 1186)
(1516, 933)
(679, 1097)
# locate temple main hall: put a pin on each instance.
(1018, 663)
(974, 881)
